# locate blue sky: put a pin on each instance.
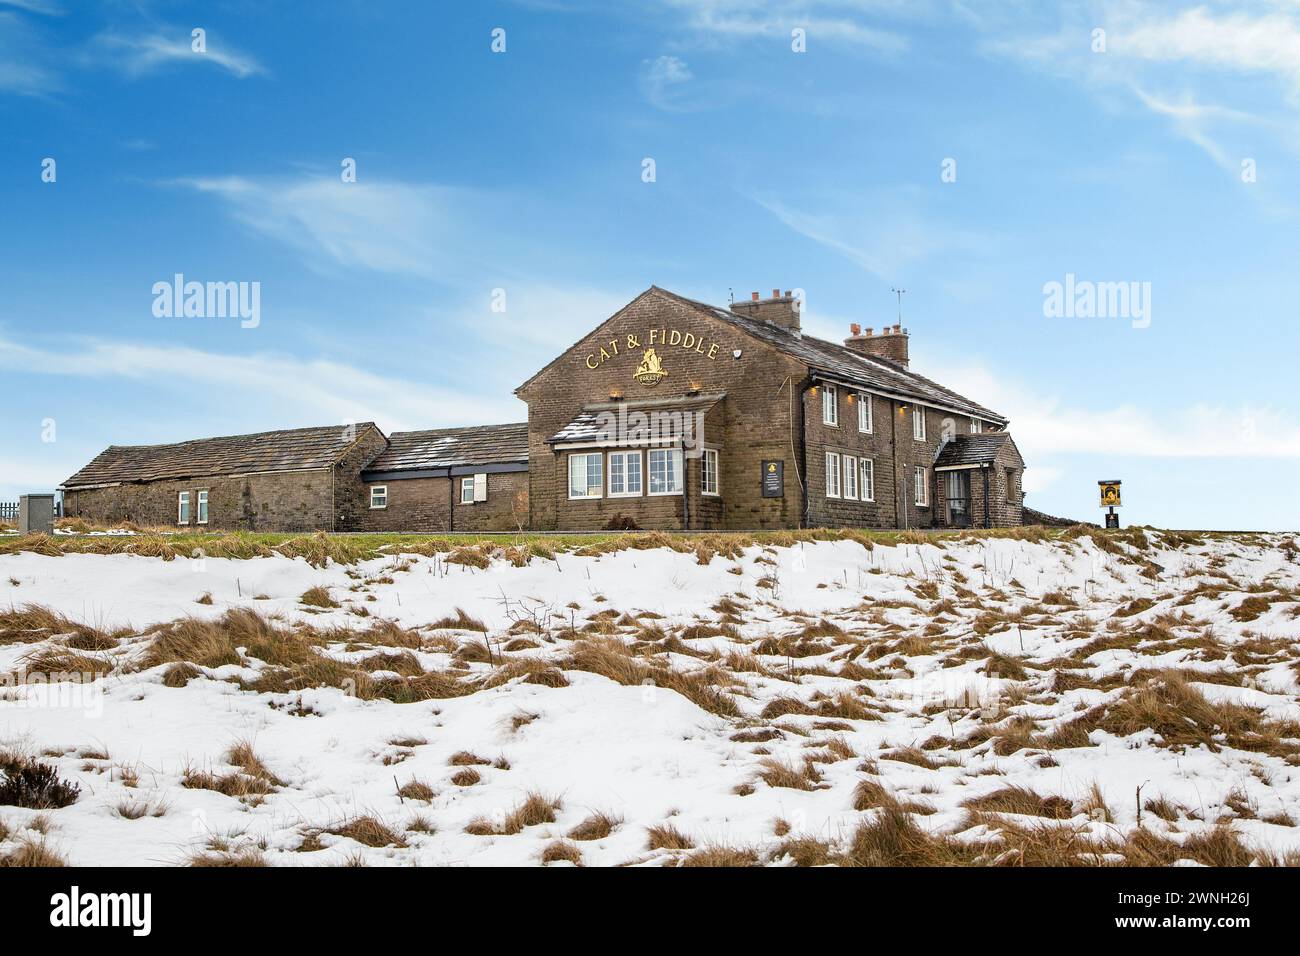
(1113, 157)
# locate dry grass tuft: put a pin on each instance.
(562, 851)
(665, 836)
(595, 827)
(318, 597)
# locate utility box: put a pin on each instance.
(36, 514)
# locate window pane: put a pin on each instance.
(634, 473)
(616, 473)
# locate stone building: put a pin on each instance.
(450, 479)
(671, 414)
(329, 478)
(677, 414)
(294, 480)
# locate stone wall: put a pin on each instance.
(427, 504)
(292, 501)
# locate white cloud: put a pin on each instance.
(137, 55)
(47, 7)
(393, 227)
(24, 65)
(1241, 42)
(299, 391)
(1043, 425)
(663, 80)
(881, 233)
(833, 21)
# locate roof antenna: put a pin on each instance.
(731, 295)
(899, 293)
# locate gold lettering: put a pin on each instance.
(632, 342)
(653, 333)
(675, 338)
(688, 340)
(590, 363)
(604, 356)
(713, 350)
(614, 345)
(699, 345)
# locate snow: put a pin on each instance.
(643, 754)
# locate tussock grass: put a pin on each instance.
(318, 597)
(31, 852)
(612, 659)
(248, 857)
(595, 827)
(665, 836)
(535, 810)
(721, 856)
(1022, 800)
(776, 773)
(460, 621)
(562, 851)
(369, 831)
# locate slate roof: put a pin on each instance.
(452, 447)
(594, 424)
(867, 372)
(979, 449)
(295, 449)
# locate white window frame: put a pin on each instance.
(182, 507)
(830, 406)
(709, 464)
(866, 479)
(976, 426)
(918, 422)
(921, 489)
(201, 507)
(624, 457)
(467, 485)
(850, 477)
(674, 476)
(865, 422)
(586, 471)
(378, 492)
(832, 474)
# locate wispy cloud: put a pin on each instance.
(144, 53)
(882, 234)
(46, 7)
(393, 227)
(662, 81)
(840, 22)
(1044, 424)
(24, 64)
(299, 390)
(1164, 46)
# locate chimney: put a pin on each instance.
(782, 310)
(890, 344)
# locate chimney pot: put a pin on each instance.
(787, 293)
(885, 330)
(897, 329)
(776, 293)
(855, 329)
(754, 296)
(868, 331)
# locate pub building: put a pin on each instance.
(678, 414)
(671, 414)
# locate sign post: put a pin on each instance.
(1110, 500)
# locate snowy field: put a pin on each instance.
(986, 701)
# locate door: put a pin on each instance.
(957, 491)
